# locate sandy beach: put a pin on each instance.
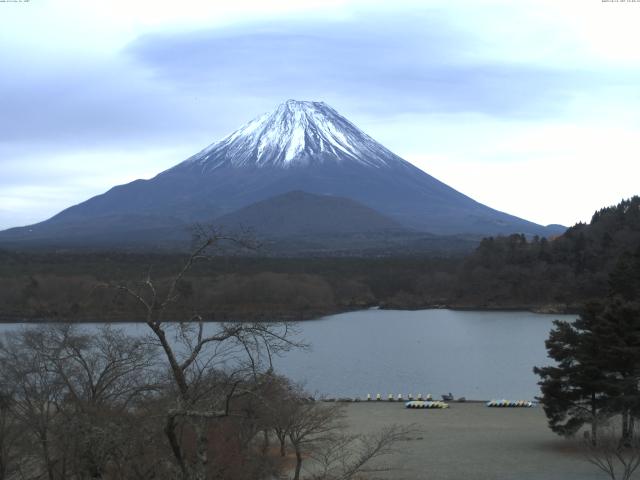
(471, 441)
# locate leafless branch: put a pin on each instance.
(617, 459)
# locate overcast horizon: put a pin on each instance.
(528, 107)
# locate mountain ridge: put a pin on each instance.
(305, 146)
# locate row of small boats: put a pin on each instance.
(510, 403)
(427, 404)
(399, 398)
(493, 403)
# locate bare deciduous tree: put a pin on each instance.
(280, 399)
(103, 374)
(311, 425)
(72, 395)
(10, 435)
(614, 455)
(37, 392)
(348, 456)
(193, 351)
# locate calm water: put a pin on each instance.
(479, 355)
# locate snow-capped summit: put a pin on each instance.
(296, 133)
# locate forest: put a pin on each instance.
(507, 272)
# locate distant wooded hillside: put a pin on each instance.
(503, 272)
(569, 269)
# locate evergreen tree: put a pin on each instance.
(618, 332)
(619, 328)
(624, 281)
(574, 392)
(598, 359)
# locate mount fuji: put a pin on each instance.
(300, 147)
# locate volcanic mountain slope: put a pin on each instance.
(301, 146)
(302, 213)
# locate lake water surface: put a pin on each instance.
(479, 355)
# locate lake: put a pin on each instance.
(478, 355)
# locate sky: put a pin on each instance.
(531, 107)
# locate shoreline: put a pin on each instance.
(545, 309)
(550, 309)
(358, 401)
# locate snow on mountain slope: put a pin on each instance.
(297, 133)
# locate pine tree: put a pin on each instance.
(598, 360)
(616, 328)
(575, 391)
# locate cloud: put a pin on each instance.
(83, 102)
(194, 86)
(555, 172)
(416, 62)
